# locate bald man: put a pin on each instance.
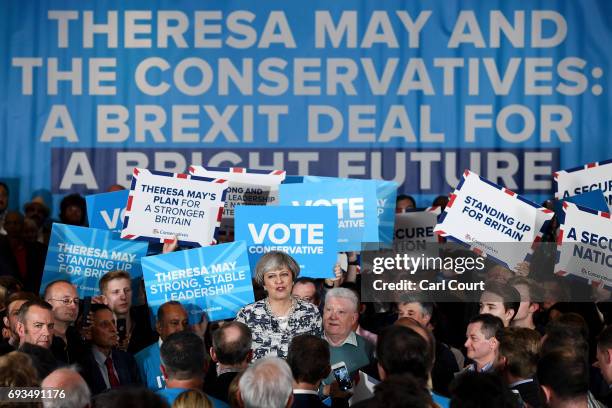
(232, 353)
(62, 296)
(76, 391)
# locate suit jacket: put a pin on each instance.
(125, 366)
(307, 401)
(530, 393)
(218, 387)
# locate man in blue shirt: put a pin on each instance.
(171, 318)
(184, 364)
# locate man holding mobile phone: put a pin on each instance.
(339, 317)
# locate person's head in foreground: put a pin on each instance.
(518, 353)
(308, 359)
(231, 345)
(183, 360)
(481, 390)
(564, 379)
(76, 391)
(402, 350)
(267, 383)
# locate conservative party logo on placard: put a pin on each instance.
(309, 235)
(106, 210)
(246, 187)
(579, 180)
(386, 193)
(162, 206)
(492, 220)
(355, 202)
(214, 280)
(83, 255)
(584, 245)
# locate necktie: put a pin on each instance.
(112, 378)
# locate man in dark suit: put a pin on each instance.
(103, 366)
(516, 363)
(308, 358)
(232, 353)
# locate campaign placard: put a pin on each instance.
(579, 180)
(386, 193)
(584, 245)
(106, 210)
(162, 206)
(489, 218)
(354, 200)
(215, 280)
(594, 200)
(415, 229)
(83, 255)
(246, 187)
(308, 234)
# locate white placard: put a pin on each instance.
(492, 220)
(579, 180)
(246, 187)
(584, 245)
(164, 205)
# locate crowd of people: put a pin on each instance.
(291, 346)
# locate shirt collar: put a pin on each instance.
(225, 370)
(350, 339)
(311, 392)
(525, 381)
(99, 356)
(484, 369)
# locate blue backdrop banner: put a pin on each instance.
(413, 92)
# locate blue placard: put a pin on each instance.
(83, 255)
(355, 201)
(106, 210)
(309, 235)
(215, 280)
(386, 193)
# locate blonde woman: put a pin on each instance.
(192, 399)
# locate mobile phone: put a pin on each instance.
(85, 308)
(121, 329)
(342, 376)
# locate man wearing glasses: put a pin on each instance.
(62, 296)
